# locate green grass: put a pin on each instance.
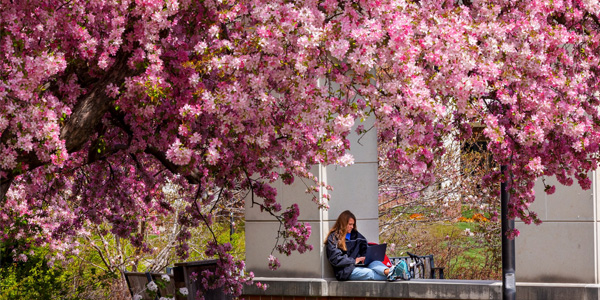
(464, 225)
(462, 255)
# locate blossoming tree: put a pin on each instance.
(101, 102)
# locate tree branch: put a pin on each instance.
(193, 177)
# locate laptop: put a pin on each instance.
(374, 252)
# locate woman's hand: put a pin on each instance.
(360, 259)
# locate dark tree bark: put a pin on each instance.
(92, 106)
(85, 117)
(4, 186)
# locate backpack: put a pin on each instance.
(404, 273)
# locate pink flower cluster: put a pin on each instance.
(229, 275)
(274, 263)
(104, 102)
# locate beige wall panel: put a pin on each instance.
(286, 196)
(260, 240)
(364, 147)
(567, 203)
(555, 252)
(354, 188)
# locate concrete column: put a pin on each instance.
(354, 187)
(564, 248)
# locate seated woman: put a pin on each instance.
(345, 247)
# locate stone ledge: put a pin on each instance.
(419, 289)
(557, 291)
(306, 287)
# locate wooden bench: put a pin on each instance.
(182, 272)
(421, 266)
(180, 278)
(137, 281)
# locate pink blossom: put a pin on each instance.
(535, 166)
(112, 90)
(22, 257)
(339, 48)
(345, 160)
(550, 189)
(273, 263)
(152, 286)
(200, 47)
(179, 154)
(344, 123)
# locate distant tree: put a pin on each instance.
(425, 218)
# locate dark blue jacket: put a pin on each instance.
(343, 261)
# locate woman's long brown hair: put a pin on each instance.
(339, 228)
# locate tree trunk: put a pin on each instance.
(86, 115)
(92, 106)
(4, 186)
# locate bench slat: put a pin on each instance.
(425, 270)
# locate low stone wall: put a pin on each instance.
(426, 289)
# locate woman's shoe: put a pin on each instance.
(399, 271)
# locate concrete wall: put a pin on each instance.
(564, 247)
(355, 188)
